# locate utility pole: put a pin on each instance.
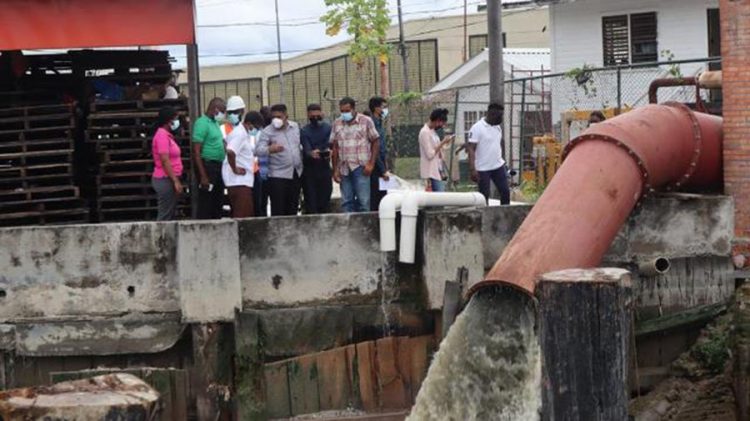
(495, 40)
(278, 51)
(466, 34)
(402, 47)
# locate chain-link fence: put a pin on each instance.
(560, 104)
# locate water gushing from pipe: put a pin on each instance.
(489, 365)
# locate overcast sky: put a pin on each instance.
(254, 39)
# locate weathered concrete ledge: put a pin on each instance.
(205, 270)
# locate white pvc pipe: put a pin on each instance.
(413, 202)
(390, 204)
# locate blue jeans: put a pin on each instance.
(499, 177)
(437, 185)
(355, 191)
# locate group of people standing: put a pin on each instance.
(259, 156)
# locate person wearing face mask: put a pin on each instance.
(235, 112)
(167, 164)
(208, 155)
(237, 171)
(355, 150)
(317, 184)
(281, 143)
(379, 109)
(260, 185)
(485, 147)
(431, 166)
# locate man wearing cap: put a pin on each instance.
(235, 111)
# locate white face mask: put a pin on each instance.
(277, 123)
(174, 125)
(219, 117)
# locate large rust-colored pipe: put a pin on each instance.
(606, 171)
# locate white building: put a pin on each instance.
(607, 33)
(470, 82)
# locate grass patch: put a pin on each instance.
(407, 168)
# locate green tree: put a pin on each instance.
(367, 21)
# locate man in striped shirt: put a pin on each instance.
(356, 144)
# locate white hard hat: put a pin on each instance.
(235, 103)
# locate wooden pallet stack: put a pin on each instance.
(120, 134)
(36, 167)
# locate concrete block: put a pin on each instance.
(450, 240)
(297, 331)
(7, 337)
(682, 225)
(304, 394)
(690, 282)
(499, 224)
(130, 334)
(390, 383)
(368, 377)
(87, 270)
(277, 390)
(333, 380)
(313, 259)
(209, 271)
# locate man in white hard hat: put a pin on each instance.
(235, 111)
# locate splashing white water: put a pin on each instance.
(488, 366)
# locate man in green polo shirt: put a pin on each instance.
(208, 153)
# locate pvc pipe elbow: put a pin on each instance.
(387, 214)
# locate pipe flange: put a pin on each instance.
(646, 188)
(697, 148)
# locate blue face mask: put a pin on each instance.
(174, 125)
(254, 132)
(234, 119)
(347, 117)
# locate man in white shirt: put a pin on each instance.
(239, 165)
(485, 149)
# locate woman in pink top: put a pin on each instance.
(431, 150)
(167, 164)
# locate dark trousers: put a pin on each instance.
(241, 200)
(499, 177)
(211, 202)
(284, 195)
(167, 198)
(317, 186)
(260, 195)
(376, 195)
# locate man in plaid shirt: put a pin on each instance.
(355, 149)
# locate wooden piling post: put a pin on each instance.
(584, 328)
(211, 376)
(249, 369)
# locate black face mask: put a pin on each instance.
(315, 121)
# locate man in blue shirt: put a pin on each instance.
(379, 110)
(317, 183)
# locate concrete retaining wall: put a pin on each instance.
(88, 270)
(309, 259)
(202, 269)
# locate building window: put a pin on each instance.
(477, 44)
(629, 39)
(470, 118)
